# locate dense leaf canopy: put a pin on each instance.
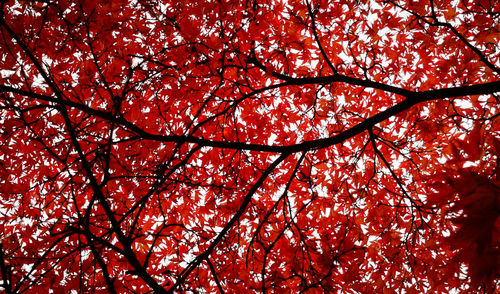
(249, 146)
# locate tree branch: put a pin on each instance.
(246, 201)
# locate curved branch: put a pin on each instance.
(316, 37)
(413, 98)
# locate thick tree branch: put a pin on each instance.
(412, 98)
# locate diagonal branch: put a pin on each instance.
(115, 225)
(246, 201)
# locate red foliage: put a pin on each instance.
(472, 184)
(249, 146)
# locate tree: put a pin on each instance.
(250, 146)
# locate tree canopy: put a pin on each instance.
(249, 146)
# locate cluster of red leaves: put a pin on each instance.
(478, 237)
(472, 185)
